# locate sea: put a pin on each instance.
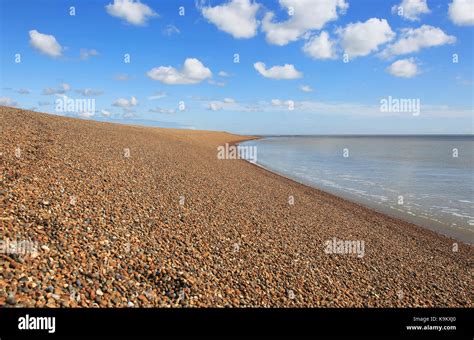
(427, 180)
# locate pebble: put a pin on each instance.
(11, 299)
(128, 234)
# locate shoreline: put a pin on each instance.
(386, 211)
(171, 225)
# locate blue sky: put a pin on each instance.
(190, 59)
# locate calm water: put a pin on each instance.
(416, 178)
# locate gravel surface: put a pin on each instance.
(172, 225)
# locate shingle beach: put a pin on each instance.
(150, 217)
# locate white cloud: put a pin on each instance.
(312, 107)
(279, 103)
(62, 89)
(358, 109)
(306, 88)
(461, 12)
(223, 74)
(158, 95)
(125, 103)
(23, 91)
(105, 113)
(215, 106)
(86, 114)
(287, 71)
(307, 15)
(404, 68)
(413, 40)
(361, 38)
(6, 101)
(86, 54)
(134, 12)
(89, 92)
(170, 30)
(315, 108)
(237, 17)
(411, 9)
(462, 81)
(49, 90)
(162, 110)
(45, 43)
(216, 83)
(320, 47)
(192, 72)
(123, 77)
(226, 103)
